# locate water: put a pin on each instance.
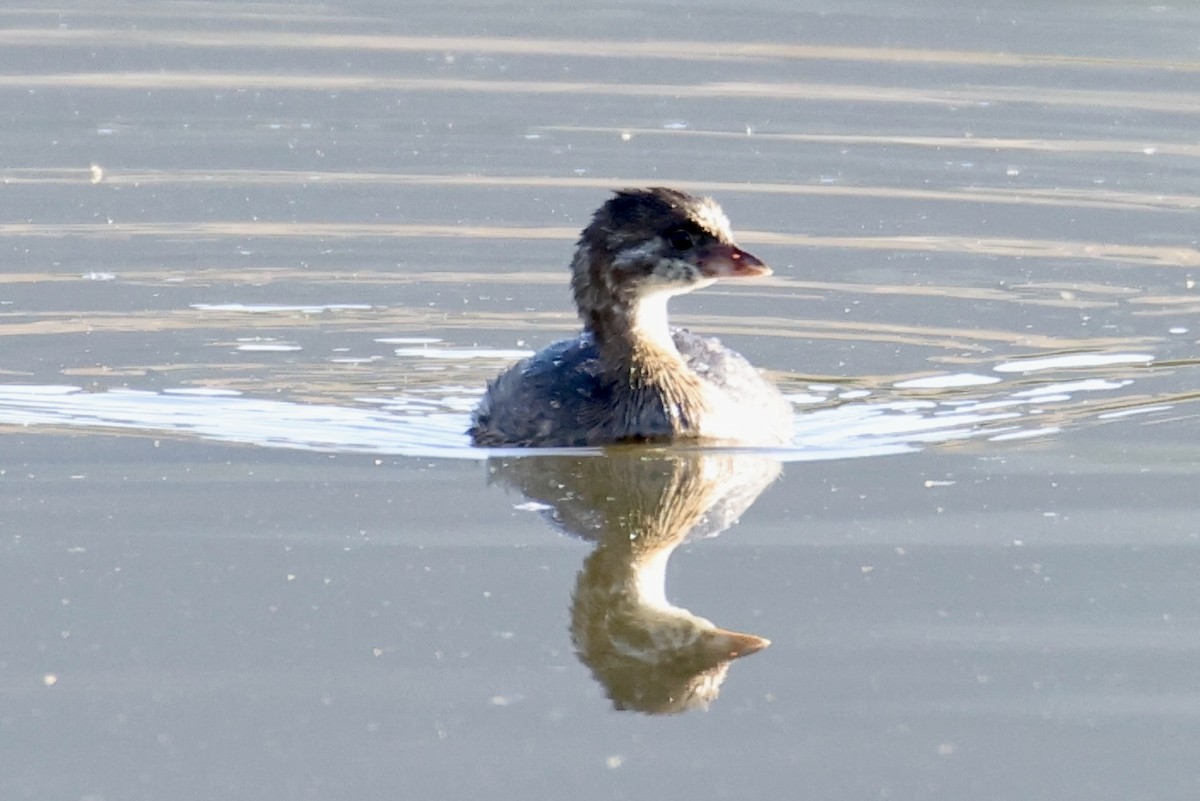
(261, 259)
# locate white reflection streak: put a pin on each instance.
(434, 424)
(1072, 361)
(223, 418)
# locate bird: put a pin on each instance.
(629, 376)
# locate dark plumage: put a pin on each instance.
(628, 376)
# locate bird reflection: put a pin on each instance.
(638, 506)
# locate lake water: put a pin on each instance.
(260, 259)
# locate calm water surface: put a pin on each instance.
(259, 260)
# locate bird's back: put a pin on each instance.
(562, 397)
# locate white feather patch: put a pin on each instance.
(712, 218)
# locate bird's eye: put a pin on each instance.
(681, 240)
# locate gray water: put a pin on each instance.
(260, 259)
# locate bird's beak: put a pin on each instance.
(729, 261)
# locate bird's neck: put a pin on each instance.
(634, 338)
(638, 353)
(628, 324)
(637, 330)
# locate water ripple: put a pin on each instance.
(836, 424)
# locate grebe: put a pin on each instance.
(628, 376)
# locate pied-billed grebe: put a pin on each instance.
(629, 376)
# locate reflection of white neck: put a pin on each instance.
(650, 578)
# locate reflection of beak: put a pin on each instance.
(729, 261)
(723, 644)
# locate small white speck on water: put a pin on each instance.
(1178, 329)
(613, 762)
(49, 680)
